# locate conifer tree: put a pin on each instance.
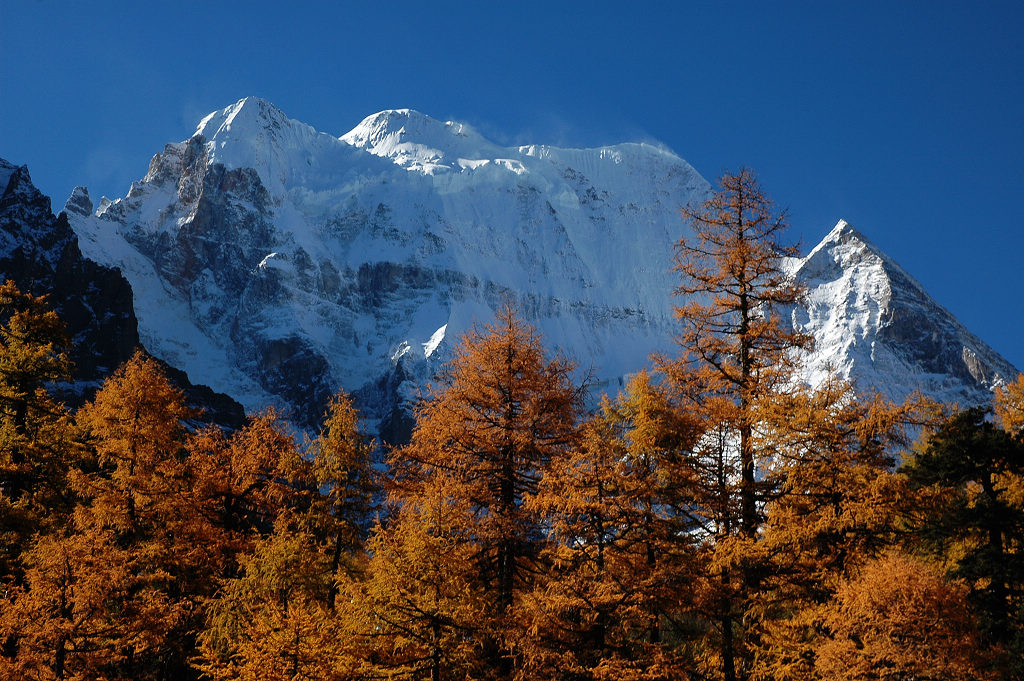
(272, 621)
(140, 492)
(732, 336)
(420, 612)
(136, 429)
(1009, 407)
(501, 414)
(737, 355)
(85, 611)
(276, 618)
(242, 482)
(38, 442)
(620, 563)
(33, 351)
(342, 467)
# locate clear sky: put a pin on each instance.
(905, 118)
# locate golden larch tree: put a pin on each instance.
(732, 335)
(899, 619)
(38, 442)
(501, 413)
(737, 353)
(620, 566)
(420, 611)
(342, 468)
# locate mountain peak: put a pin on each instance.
(843, 230)
(875, 324)
(79, 202)
(375, 128)
(253, 133)
(847, 245)
(16, 187)
(418, 142)
(845, 233)
(244, 117)
(6, 170)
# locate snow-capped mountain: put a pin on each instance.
(875, 325)
(276, 263)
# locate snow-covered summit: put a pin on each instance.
(253, 133)
(245, 117)
(276, 263)
(418, 142)
(874, 324)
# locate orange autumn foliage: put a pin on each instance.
(1009, 406)
(899, 619)
(38, 441)
(620, 555)
(420, 612)
(86, 612)
(501, 414)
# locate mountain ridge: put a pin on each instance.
(262, 249)
(40, 253)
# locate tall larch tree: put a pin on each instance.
(139, 491)
(420, 612)
(272, 621)
(736, 355)
(348, 486)
(502, 412)
(136, 428)
(277, 618)
(732, 335)
(85, 611)
(1009, 406)
(243, 482)
(620, 565)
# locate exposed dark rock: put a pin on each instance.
(40, 253)
(94, 301)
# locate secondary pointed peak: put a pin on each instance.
(417, 141)
(79, 202)
(245, 115)
(844, 231)
(7, 169)
(847, 238)
(408, 123)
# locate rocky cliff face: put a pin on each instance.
(40, 253)
(277, 263)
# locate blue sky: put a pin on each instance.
(905, 118)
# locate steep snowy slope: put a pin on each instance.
(275, 262)
(874, 324)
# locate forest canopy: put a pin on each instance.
(717, 519)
